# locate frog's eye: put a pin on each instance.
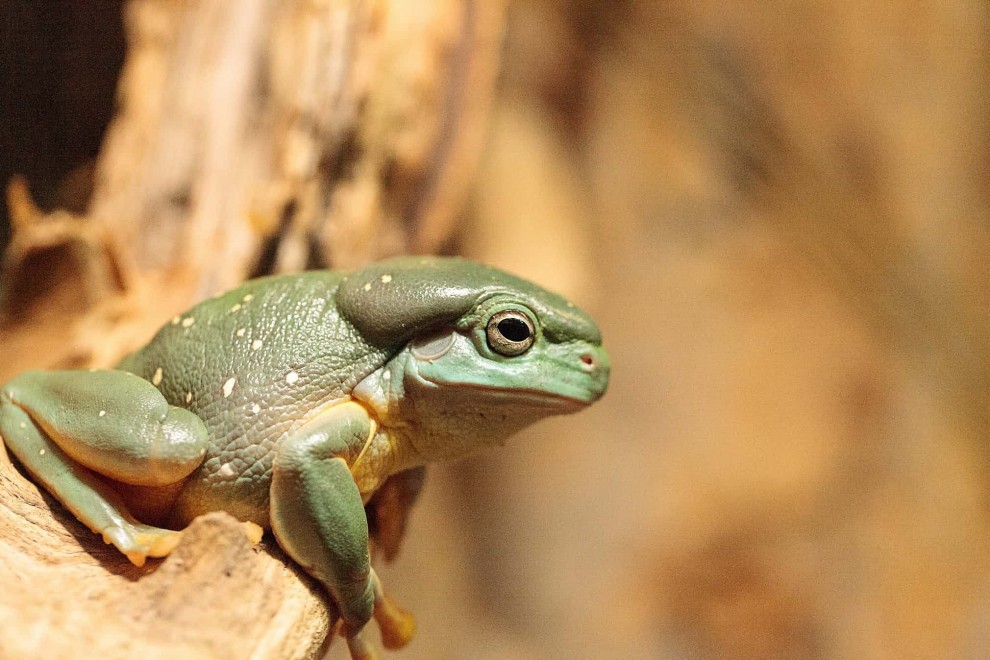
(510, 332)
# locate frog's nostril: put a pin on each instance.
(587, 361)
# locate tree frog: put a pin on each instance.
(289, 401)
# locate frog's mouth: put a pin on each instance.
(555, 402)
(528, 397)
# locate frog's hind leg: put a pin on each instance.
(69, 428)
(89, 497)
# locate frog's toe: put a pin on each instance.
(123, 541)
(396, 624)
(159, 542)
(253, 531)
(138, 542)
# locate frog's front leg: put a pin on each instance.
(317, 515)
(75, 430)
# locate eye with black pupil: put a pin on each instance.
(510, 333)
(514, 329)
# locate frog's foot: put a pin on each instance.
(138, 541)
(396, 624)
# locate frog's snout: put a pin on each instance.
(596, 363)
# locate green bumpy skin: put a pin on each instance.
(289, 401)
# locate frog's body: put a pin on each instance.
(270, 378)
(288, 402)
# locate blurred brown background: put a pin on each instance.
(778, 213)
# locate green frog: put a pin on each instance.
(289, 401)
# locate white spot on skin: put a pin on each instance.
(157, 378)
(240, 332)
(41, 452)
(236, 308)
(291, 377)
(256, 344)
(367, 287)
(188, 321)
(175, 320)
(386, 279)
(228, 387)
(188, 397)
(248, 298)
(103, 413)
(23, 425)
(255, 408)
(226, 471)
(386, 375)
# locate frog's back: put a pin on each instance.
(253, 364)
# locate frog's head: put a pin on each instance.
(479, 353)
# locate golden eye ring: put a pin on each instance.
(510, 332)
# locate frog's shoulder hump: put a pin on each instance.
(391, 301)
